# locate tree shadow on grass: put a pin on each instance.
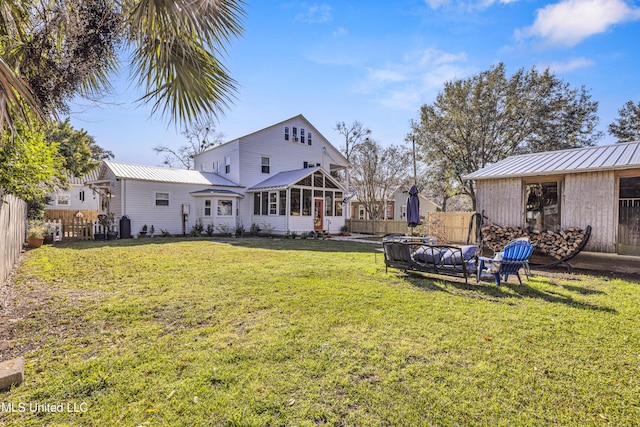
(504, 293)
(268, 243)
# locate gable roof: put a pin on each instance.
(588, 159)
(160, 174)
(309, 126)
(283, 180)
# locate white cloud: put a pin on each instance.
(566, 66)
(569, 22)
(417, 79)
(340, 32)
(315, 14)
(470, 5)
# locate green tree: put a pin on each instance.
(626, 127)
(52, 50)
(490, 116)
(79, 150)
(30, 164)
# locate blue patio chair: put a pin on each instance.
(514, 257)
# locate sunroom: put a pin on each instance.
(298, 201)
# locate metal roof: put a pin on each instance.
(214, 192)
(283, 180)
(588, 159)
(160, 174)
(91, 176)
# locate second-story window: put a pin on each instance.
(295, 134)
(286, 133)
(309, 138)
(302, 135)
(265, 165)
(227, 164)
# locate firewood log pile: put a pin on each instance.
(556, 244)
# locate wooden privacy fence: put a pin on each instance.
(70, 215)
(13, 225)
(451, 227)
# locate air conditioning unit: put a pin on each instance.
(295, 139)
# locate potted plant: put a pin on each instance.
(107, 221)
(35, 236)
(143, 232)
(102, 220)
(344, 230)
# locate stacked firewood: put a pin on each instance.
(557, 244)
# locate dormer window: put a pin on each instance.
(286, 133)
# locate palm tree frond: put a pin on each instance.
(177, 49)
(16, 97)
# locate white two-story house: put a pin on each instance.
(285, 170)
(278, 178)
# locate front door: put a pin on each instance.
(317, 214)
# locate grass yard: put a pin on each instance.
(271, 332)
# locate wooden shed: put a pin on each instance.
(594, 186)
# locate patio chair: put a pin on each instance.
(514, 257)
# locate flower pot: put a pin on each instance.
(112, 235)
(35, 242)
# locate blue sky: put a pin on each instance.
(378, 62)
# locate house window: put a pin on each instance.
(338, 203)
(542, 208)
(302, 136)
(328, 203)
(162, 199)
(216, 166)
(361, 212)
(389, 212)
(306, 202)
(63, 199)
(295, 134)
(283, 203)
(294, 206)
(207, 208)
(81, 195)
(309, 138)
(256, 203)
(265, 165)
(265, 203)
(225, 207)
(318, 180)
(286, 133)
(403, 212)
(273, 203)
(227, 164)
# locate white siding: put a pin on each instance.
(205, 162)
(198, 213)
(501, 201)
(91, 199)
(140, 205)
(590, 199)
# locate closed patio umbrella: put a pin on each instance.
(413, 208)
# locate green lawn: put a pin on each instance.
(270, 332)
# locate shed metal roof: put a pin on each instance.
(588, 159)
(160, 174)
